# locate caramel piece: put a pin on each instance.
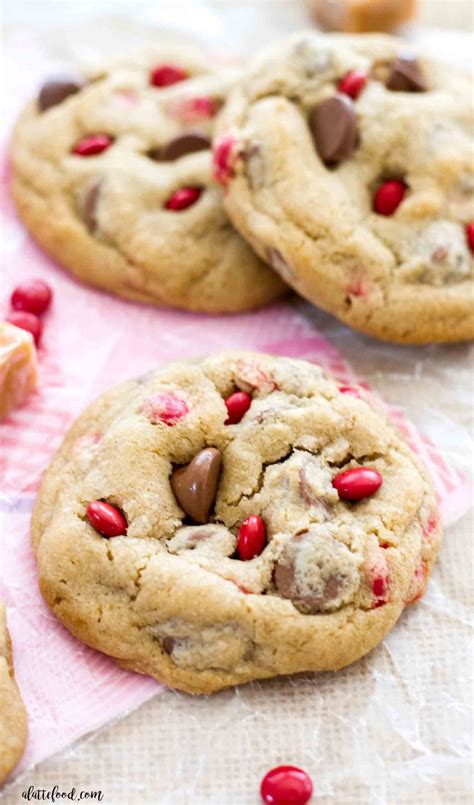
(18, 367)
(359, 16)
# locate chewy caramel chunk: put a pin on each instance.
(359, 16)
(18, 367)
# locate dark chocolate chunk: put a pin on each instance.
(56, 90)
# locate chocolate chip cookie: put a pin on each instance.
(112, 176)
(233, 519)
(13, 717)
(348, 164)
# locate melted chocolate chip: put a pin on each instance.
(55, 91)
(89, 204)
(285, 582)
(168, 644)
(334, 128)
(406, 75)
(181, 146)
(195, 485)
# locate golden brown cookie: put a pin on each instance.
(13, 716)
(112, 176)
(233, 519)
(349, 165)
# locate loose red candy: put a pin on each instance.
(27, 321)
(167, 74)
(106, 519)
(34, 296)
(286, 785)
(470, 235)
(92, 145)
(353, 83)
(357, 483)
(237, 404)
(389, 196)
(183, 198)
(251, 538)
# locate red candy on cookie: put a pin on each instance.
(354, 392)
(167, 74)
(222, 159)
(353, 83)
(470, 235)
(237, 404)
(92, 145)
(200, 107)
(389, 196)
(165, 408)
(286, 785)
(33, 296)
(357, 483)
(379, 587)
(106, 519)
(183, 198)
(27, 321)
(251, 538)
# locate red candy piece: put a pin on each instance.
(201, 107)
(252, 537)
(353, 83)
(358, 483)
(92, 145)
(470, 235)
(106, 519)
(222, 160)
(286, 785)
(379, 587)
(165, 408)
(34, 296)
(430, 527)
(418, 584)
(167, 74)
(27, 321)
(350, 390)
(389, 196)
(183, 198)
(237, 404)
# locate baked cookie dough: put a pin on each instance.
(348, 164)
(13, 717)
(112, 176)
(233, 519)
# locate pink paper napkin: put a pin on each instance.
(90, 342)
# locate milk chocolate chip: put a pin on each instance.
(181, 146)
(334, 129)
(406, 75)
(195, 485)
(56, 90)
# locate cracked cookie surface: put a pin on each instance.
(13, 717)
(348, 164)
(305, 560)
(112, 176)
